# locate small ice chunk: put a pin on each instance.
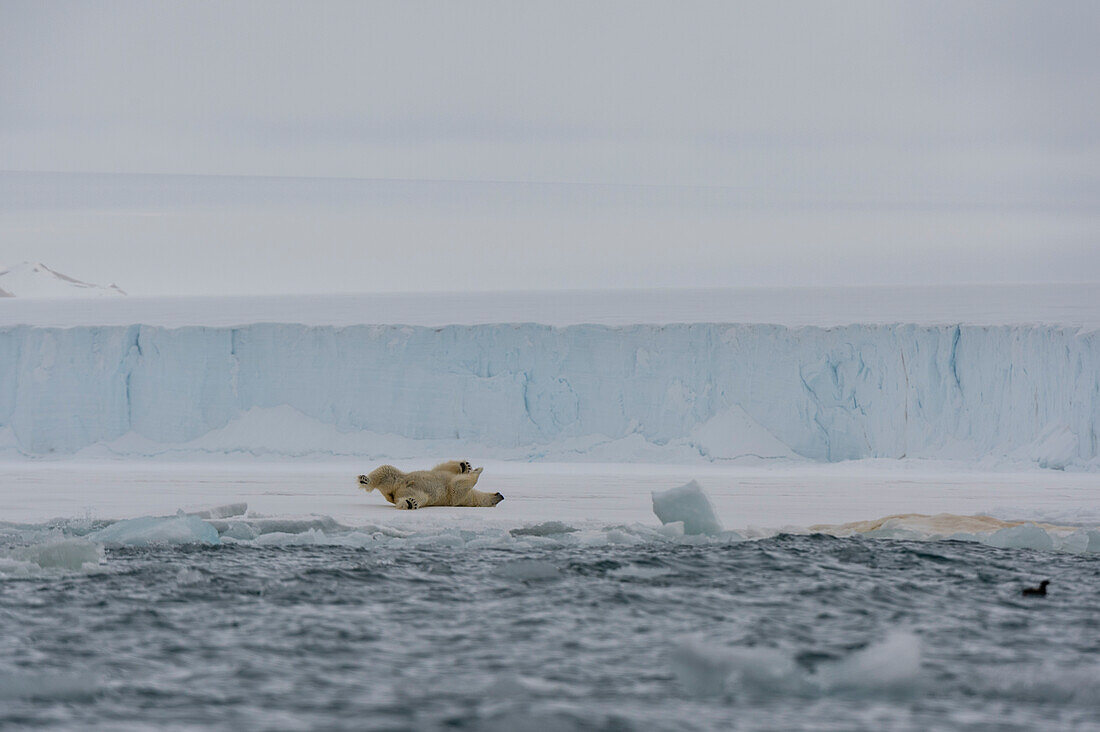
(621, 535)
(1082, 540)
(310, 537)
(280, 525)
(1025, 536)
(896, 533)
(688, 504)
(324, 524)
(672, 529)
(240, 530)
(157, 530)
(222, 512)
(315, 537)
(1076, 542)
(546, 528)
(71, 554)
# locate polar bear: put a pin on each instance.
(447, 484)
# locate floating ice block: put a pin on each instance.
(156, 530)
(1025, 536)
(688, 504)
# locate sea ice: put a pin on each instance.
(1082, 540)
(240, 530)
(284, 538)
(1025, 536)
(229, 510)
(546, 528)
(56, 554)
(71, 554)
(157, 530)
(672, 529)
(288, 525)
(688, 504)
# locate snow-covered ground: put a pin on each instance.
(749, 500)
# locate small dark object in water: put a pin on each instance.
(1040, 591)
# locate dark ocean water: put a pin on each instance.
(793, 632)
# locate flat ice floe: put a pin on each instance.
(575, 494)
(293, 507)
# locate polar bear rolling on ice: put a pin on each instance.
(447, 484)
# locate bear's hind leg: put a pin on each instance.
(457, 467)
(466, 480)
(409, 498)
(481, 499)
(462, 488)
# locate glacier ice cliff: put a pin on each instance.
(704, 390)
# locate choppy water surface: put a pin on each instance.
(790, 632)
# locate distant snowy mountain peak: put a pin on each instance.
(34, 279)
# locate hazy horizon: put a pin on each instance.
(252, 148)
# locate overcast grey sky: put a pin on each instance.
(688, 143)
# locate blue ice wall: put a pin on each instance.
(828, 393)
